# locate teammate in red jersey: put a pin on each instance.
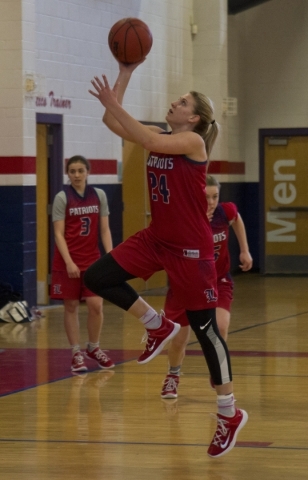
(221, 215)
(80, 212)
(179, 239)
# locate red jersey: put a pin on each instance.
(81, 233)
(178, 206)
(223, 215)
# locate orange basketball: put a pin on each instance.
(130, 40)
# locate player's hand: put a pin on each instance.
(246, 261)
(210, 213)
(72, 270)
(104, 93)
(129, 67)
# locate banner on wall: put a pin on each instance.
(286, 204)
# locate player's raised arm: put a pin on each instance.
(130, 40)
(186, 142)
(121, 83)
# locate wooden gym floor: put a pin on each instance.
(114, 425)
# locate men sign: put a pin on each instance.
(286, 205)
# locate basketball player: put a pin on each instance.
(221, 216)
(179, 239)
(79, 214)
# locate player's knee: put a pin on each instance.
(177, 345)
(71, 305)
(223, 330)
(202, 320)
(203, 323)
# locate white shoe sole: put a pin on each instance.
(169, 396)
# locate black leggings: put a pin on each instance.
(108, 279)
(215, 350)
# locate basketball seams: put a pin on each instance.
(139, 41)
(125, 40)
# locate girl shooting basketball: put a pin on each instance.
(181, 244)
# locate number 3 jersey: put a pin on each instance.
(224, 215)
(178, 205)
(82, 224)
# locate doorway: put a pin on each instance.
(49, 181)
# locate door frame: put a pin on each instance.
(275, 133)
(54, 125)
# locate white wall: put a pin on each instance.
(263, 61)
(64, 44)
(234, 87)
(71, 42)
(268, 71)
(210, 60)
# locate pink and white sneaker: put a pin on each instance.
(100, 356)
(226, 433)
(157, 339)
(78, 364)
(170, 386)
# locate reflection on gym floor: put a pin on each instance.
(113, 425)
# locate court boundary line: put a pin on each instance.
(97, 442)
(260, 324)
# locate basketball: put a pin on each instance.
(130, 40)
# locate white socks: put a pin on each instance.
(151, 319)
(226, 405)
(92, 346)
(175, 370)
(75, 349)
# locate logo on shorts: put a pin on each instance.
(57, 289)
(210, 295)
(191, 253)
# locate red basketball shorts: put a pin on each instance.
(193, 281)
(225, 293)
(65, 288)
(175, 311)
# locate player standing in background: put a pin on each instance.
(221, 216)
(179, 239)
(79, 214)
